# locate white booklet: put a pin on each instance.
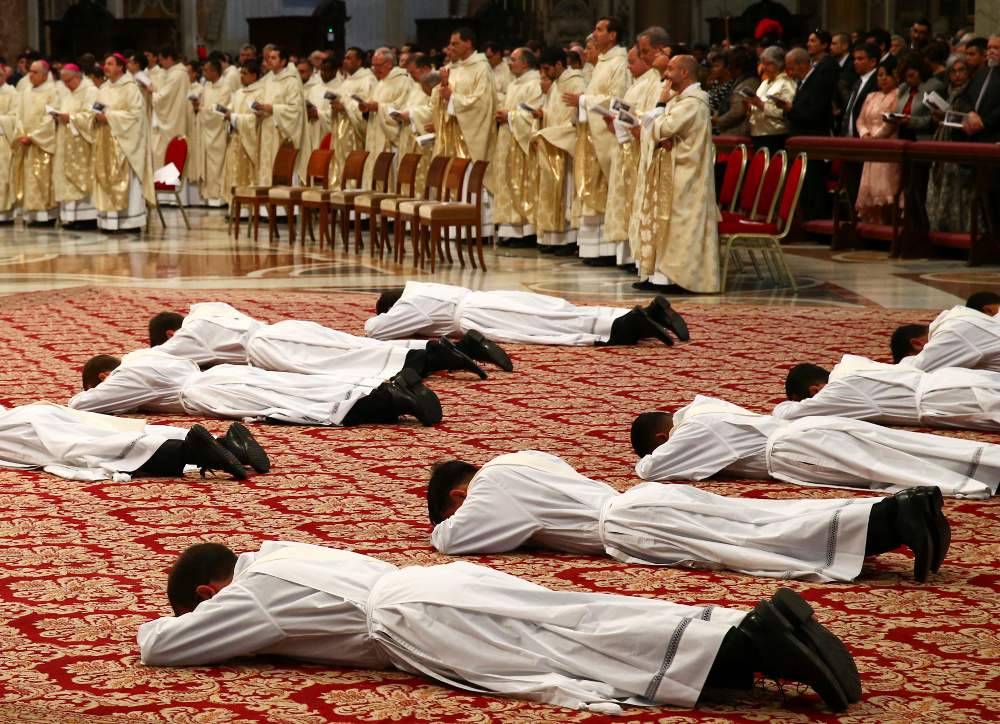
(620, 104)
(622, 133)
(426, 140)
(194, 97)
(935, 102)
(141, 77)
(393, 112)
(601, 110)
(649, 117)
(54, 112)
(168, 175)
(331, 96)
(954, 119)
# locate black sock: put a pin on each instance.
(882, 536)
(735, 663)
(622, 330)
(167, 462)
(416, 360)
(375, 409)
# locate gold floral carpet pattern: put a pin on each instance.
(83, 564)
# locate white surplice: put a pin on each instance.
(436, 310)
(712, 436)
(77, 445)
(536, 497)
(961, 337)
(468, 626)
(212, 333)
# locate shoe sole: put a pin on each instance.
(256, 457)
(653, 328)
(916, 504)
(428, 403)
(224, 461)
(940, 527)
(822, 641)
(468, 364)
(491, 351)
(673, 321)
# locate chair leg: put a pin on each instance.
(459, 240)
(160, 213)
(383, 234)
(435, 241)
(322, 224)
(372, 233)
(183, 212)
(357, 231)
(291, 223)
(447, 245)
(345, 218)
(235, 217)
(725, 263)
(397, 248)
(256, 221)
(271, 222)
(306, 220)
(479, 246)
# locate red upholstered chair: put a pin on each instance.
(736, 166)
(324, 145)
(751, 187)
(177, 153)
(765, 236)
(767, 195)
(461, 216)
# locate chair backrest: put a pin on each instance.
(383, 167)
(406, 174)
(177, 153)
(435, 176)
(456, 179)
(325, 143)
(751, 183)
(354, 168)
(476, 177)
(770, 186)
(736, 166)
(318, 172)
(793, 187)
(284, 166)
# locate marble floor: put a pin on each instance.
(206, 257)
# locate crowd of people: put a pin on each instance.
(598, 150)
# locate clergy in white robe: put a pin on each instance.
(555, 143)
(191, 170)
(713, 437)
(502, 74)
(170, 105)
(679, 236)
(463, 625)
(37, 136)
(123, 174)
(536, 498)
(418, 117)
(515, 166)
(243, 150)
(283, 117)
(318, 106)
(391, 93)
(213, 135)
(74, 141)
(958, 337)
(951, 397)
(10, 106)
(349, 125)
(597, 143)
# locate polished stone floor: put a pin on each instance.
(206, 257)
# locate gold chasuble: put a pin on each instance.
(10, 106)
(121, 147)
(679, 226)
(170, 109)
(556, 145)
(349, 126)
(383, 131)
(35, 188)
(73, 175)
(286, 124)
(467, 123)
(213, 137)
(515, 175)
(243, 152)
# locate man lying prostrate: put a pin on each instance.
(958, 337)
(215, 333)
(713, 437)
(533, 497)
(484, 631)
(86, 446)
(985, 302)
(151, 381)
(899, 394)
(433, 310)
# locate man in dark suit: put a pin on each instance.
(982, 101)
(883, 39)
(818, 47)
(866, 60)
(841, 51)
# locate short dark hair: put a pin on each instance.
(936, 52)
(870, 49)
(977, 43)
(644, 430)
(803, 376)
(616, 26)
(252, 66)
(216, 55)
(95, 367)
(282, 52)
(882, 37)
(823, 36)
(162, 323)
(528, 57)
(979, 300)
(553, 55)
(214, 65)
(466, 35)
(445, 477)
(899, 343)
(419, 60)
(197, 566)
(139, 59)
(742, 62)
(912, 60)
(923, 21)
(492, 46)
(168, 51)
(387, 299)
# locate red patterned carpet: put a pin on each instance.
(83, 564)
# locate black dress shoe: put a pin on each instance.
(629, 268)
(648, 286)
(476, 346)
(411, 397)
(648, 327)
(823, 642)
(505, 242)
(525, 242)
(661, 311)
(601, 261)
(566, 250)
(633, 326)
(929, 500)
(202, 449)
(241, 443)
(783, 655)
(457, 360)
(547, 249)
(913, 527)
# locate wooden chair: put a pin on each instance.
(461, 216)
(409, 211)
(765, 236)
(177, 153)
(319, 199)
(389, 208)
(317, 176)
(281, 175)
(370, 202)
(342, 202)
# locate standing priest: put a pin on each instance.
(37, 136)
(75, 135)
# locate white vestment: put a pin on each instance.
(436, 310)
(827, 451)
(212, 333)
(902, 395)
(459, 624)
(536, 497)
(961, 337)
(77, 445)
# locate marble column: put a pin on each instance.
(987, 17)
(14, 28)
